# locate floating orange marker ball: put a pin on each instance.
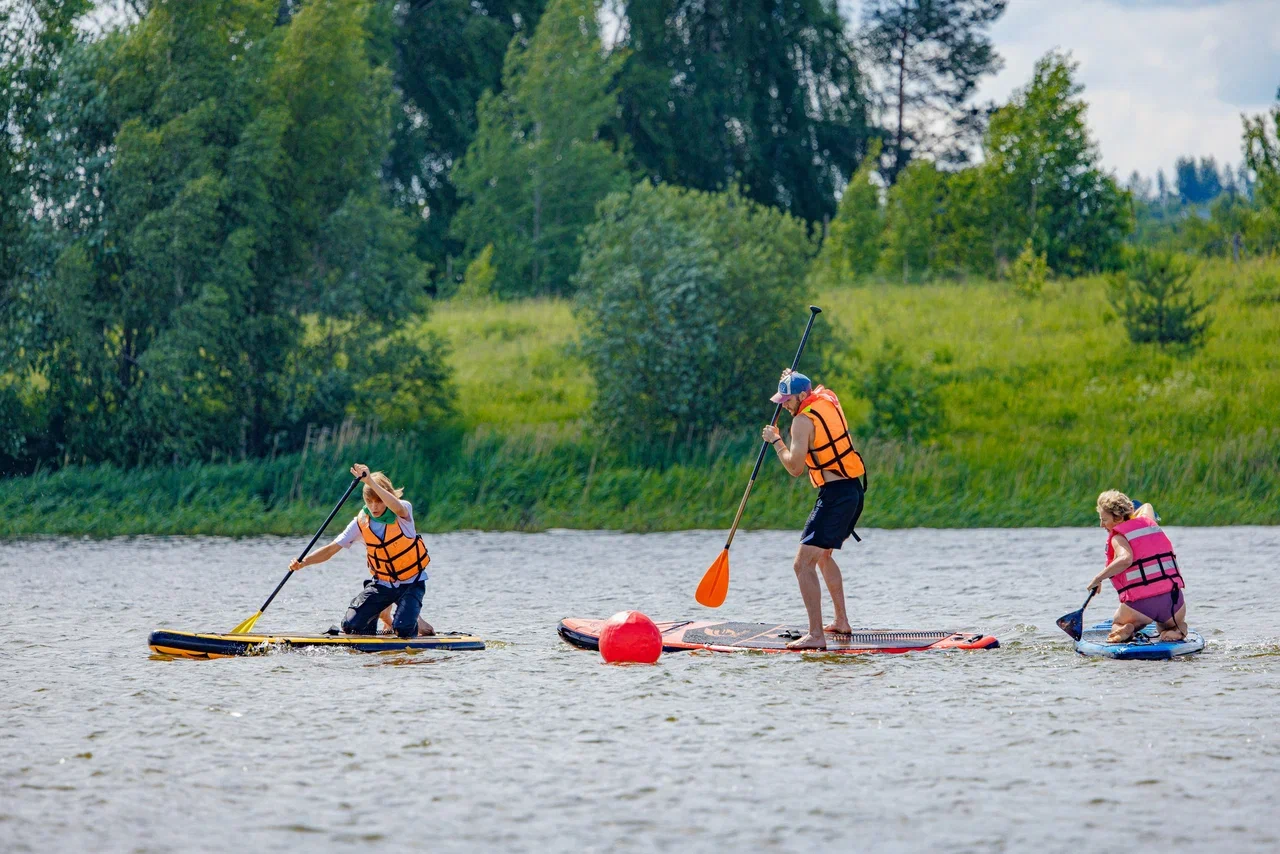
(629, 637)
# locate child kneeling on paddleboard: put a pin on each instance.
(1142, 568)
(397, 559)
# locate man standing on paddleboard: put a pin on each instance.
(822, 446)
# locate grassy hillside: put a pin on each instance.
(1047, 404)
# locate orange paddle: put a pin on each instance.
(715, 583)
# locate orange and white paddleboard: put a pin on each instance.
(721, 636)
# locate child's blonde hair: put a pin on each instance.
(383, 481)
(1116, 503)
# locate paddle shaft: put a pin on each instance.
(332, 513)
(814, 311)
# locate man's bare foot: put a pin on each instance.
(809, 642)
(838, 628)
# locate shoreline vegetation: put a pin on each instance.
(1030, 391)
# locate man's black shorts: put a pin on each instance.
(834, 514)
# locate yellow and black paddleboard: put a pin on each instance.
(224, 645)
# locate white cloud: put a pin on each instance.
(1163, 78)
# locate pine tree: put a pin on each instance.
(929, 56)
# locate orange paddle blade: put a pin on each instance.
(715, 584)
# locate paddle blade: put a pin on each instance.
(1072, 624)
(715, 584)
(247, 626)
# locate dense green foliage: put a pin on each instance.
(447, 53)
(929, 56)
(682, 295)
(538, 166)
(763, 94)
(1046, 401)
(214, 179)
(1041, 181)
(1048, 182)
(852, 246)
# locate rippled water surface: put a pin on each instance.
(532, 745)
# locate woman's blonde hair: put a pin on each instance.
(1116, 503)
(383, 481)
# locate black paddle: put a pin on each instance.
(715, 581)
(1073, 623)
(247, 626)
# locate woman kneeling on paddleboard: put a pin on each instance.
(397, 559)
(1143, 569)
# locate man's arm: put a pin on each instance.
(792, 458)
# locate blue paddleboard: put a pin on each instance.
(1144, 646)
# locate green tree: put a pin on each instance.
(852, 246)
(682, 297)
(1198, 183)
(1262, 155)
(913, 222)
(445, 55)
(764, 94)
(929, 56)
(1048, 178)
(538, 164)
(35, 37)
(1029, 272)
(1154, 298)
(220, 266)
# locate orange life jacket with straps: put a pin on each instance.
(393, 557)
(832, 446)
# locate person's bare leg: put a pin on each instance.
(1126, 623)
(811, 591)
(1175, 629)
(835, 586)
(385, 619)
(425, 628)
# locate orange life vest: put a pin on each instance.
(393, 556)
(832, 446)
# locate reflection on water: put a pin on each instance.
(532, 745)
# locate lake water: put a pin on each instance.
(532, 745)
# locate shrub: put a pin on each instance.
(1029, 272)
(906, 399)
(477, 282)
(1154, 298)
(690, 304)
(1264, 289)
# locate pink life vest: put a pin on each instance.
(1155, 567)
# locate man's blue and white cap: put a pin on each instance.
(792, 383)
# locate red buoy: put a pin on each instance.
(629, 637)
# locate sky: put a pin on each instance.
(1163, 78)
